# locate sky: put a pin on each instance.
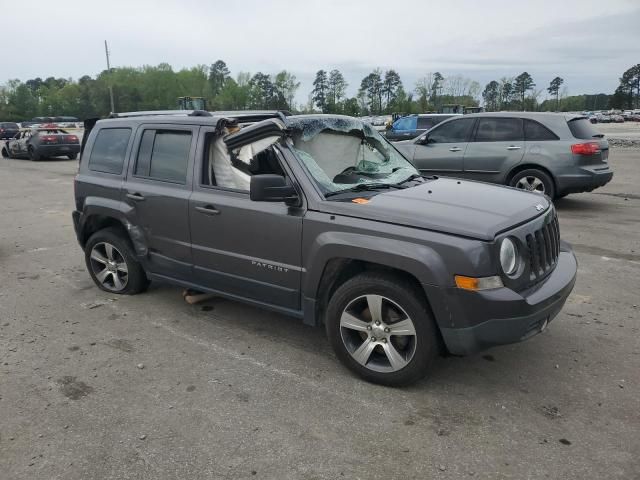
(588, 43)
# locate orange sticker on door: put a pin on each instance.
(361, 201)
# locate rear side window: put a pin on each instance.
(107, 154)
(406, 123)
(583, 129)
(499, 130)
(452, 132)
(164, 155)
(534, 131)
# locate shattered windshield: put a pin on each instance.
(342, 153)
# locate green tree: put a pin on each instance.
(390, 86)
(490, 95)
(554, 89)
(320, 90)
(262, 92)
(523, 83)
(285, 86)
(436, 87)
(336, 88)
(218, 74)
(371, 91)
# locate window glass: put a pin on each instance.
(583, 129)
(405, 123)
(144, 153)
(452, 132)
(499, 130)
(109, 148)
(536, 131)
(425, 123)
(170, 155)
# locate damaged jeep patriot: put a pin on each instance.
(319, 217)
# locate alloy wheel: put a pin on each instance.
(109, 266)
(378, 333)
(531, 184)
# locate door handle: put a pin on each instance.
(135, 196)
(455, 149)
(513, 147)
(208, 210)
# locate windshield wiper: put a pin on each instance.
(363, 187)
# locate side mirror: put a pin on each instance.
(424, 140)
(272, 188)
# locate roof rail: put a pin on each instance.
(149, 113)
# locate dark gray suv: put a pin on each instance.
(551, 153)
(319, 217)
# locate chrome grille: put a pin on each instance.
(544, 249)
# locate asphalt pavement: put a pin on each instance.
(99, 386)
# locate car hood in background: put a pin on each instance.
(460, 207)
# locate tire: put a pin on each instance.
(534, 180)
(5, 153)
(401, 301)
(33, 155)
(72, 156)
(108, 254)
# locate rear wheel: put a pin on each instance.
(112, 264)
(33, 155)
(380, 328)
(72, 156)
(534, 180)
(5, 153)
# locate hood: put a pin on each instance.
(460, 207)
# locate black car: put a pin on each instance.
(42, 143)
(8, 130)
(319, 217)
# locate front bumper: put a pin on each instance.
(479, 320)
(583, 180)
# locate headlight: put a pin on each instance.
(509, 257)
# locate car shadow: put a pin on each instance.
(499, 369)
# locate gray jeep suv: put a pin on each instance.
(551, 153)
(319, 217)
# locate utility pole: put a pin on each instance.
(106, 52)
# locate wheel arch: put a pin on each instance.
(530, 166)
(97, 218)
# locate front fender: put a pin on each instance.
(421, 261)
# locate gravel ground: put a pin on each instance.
(96, 386)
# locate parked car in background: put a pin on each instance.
(548, 153)
(37, 144)
(8, 130)
(406, 128)
(617, 118)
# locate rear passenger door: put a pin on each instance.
(497, 146)
(158, 188)
(441, 150)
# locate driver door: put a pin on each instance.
(241, 247)
(441, 150)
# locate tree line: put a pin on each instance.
(379, 92)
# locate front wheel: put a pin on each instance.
(112, 264)
(5, 153)
(380, 328)
(534, 180)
